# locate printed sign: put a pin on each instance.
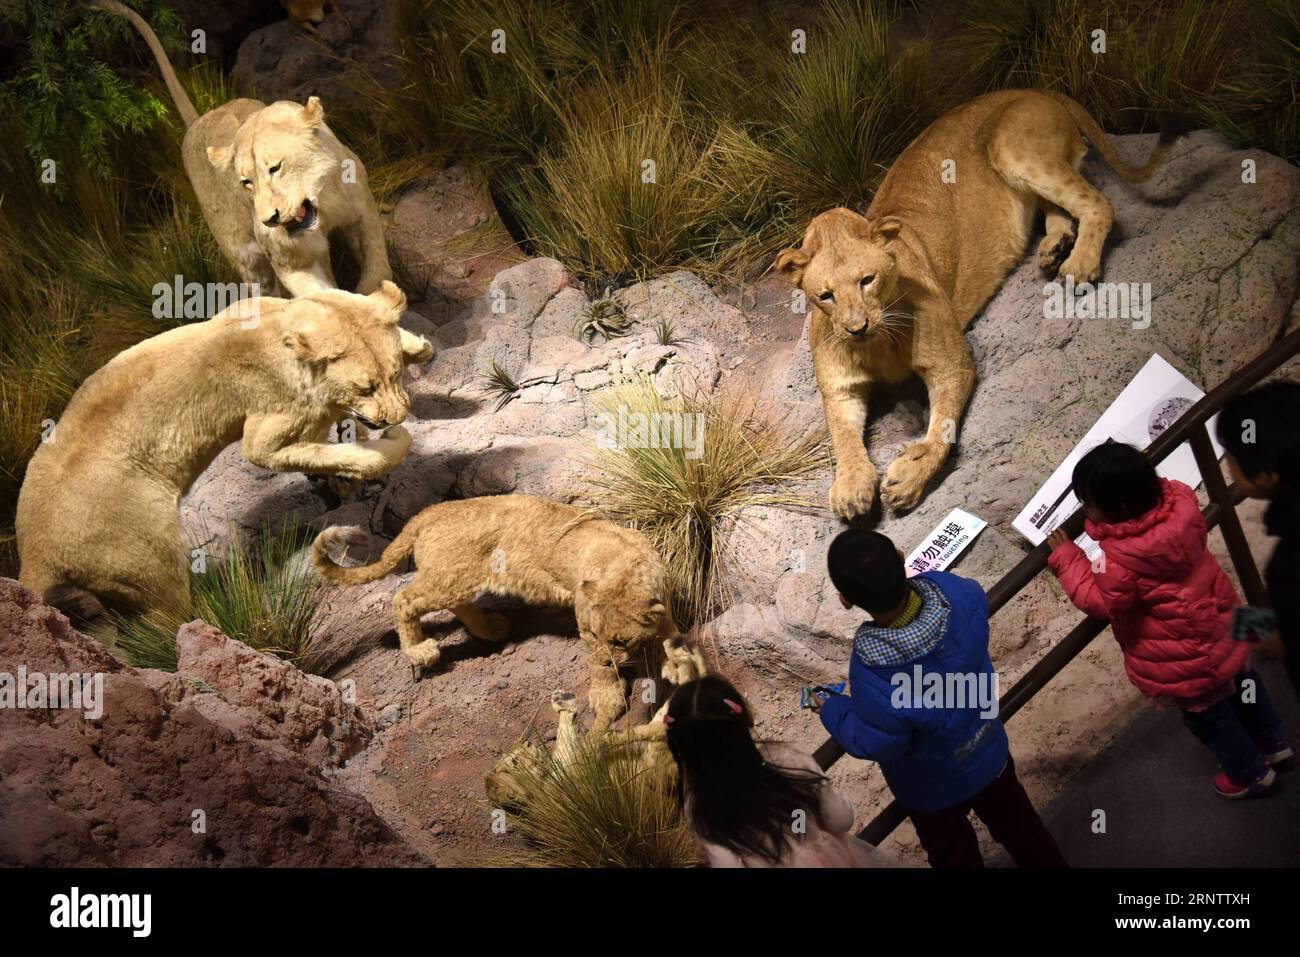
(1151, 402)
(949, 538)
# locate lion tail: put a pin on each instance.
(184, 106)
(335, 573)
(1169, 131)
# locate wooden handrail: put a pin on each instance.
(1191, 426)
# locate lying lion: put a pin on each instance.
(537, 551)
(98, 510)
(274, 183)
(507, 784)
(894, 290)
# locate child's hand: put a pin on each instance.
(1057, 538)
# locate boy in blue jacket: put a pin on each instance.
(923, 705)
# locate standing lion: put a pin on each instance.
(894, 290)
(274, 183)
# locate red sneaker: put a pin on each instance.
(1227, 787)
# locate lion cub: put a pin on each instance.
(274, 183)
(537, 551)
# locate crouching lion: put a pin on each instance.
(538, 551)
(274, 183)
(894, 290)
(98, 510)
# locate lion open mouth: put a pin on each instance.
(305, 218)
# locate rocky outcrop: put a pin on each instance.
(229, 761)
(446, 241)
(284, 61)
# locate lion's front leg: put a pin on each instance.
(854, 490)
(942, 359)
(416, 350)
(271, 442)
(366, 240)
(682, 662)
(302, 264)
(606, 694)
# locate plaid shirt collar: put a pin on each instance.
(878, 646)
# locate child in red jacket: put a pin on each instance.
(1170, 606)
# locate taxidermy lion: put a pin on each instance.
(98, 510)
(537, 551)
(274, 183)
(894, 290)
(515, 773)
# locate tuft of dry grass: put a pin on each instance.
(751, 456)
(608, 805)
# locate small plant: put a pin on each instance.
(687, 503)
(501, 382)
(603, 318)
(666, 332)
(606, 804)
(268, 597)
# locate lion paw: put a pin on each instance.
(424, 655)
(853, 493)
(1080, 268)
(564, 701)
(907, 476)
(609, 704)
(1053, 250)
(684, 662)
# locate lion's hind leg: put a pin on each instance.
(567, 738)
(409, 606)
(1060, 184)
(1058, 241)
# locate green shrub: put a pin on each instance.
(267, 596)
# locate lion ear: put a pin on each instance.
(311, 344)
(886, 228)
(391, 296)
(313, 113)
(791, 263)
(221, 156)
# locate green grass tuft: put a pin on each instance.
(267, 596)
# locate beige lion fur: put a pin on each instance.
(255, 168)
(538, 551)
(894, 290)
(98, 508)
(513, 775)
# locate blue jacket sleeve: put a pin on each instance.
(881, 738)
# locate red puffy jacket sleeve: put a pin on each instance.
(1097, 594)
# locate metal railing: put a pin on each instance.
(1221, 512)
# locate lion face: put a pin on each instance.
(351, 352)
(280, 157)
(847, 269)
(625, 607)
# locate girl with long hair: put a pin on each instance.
(755, 805)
